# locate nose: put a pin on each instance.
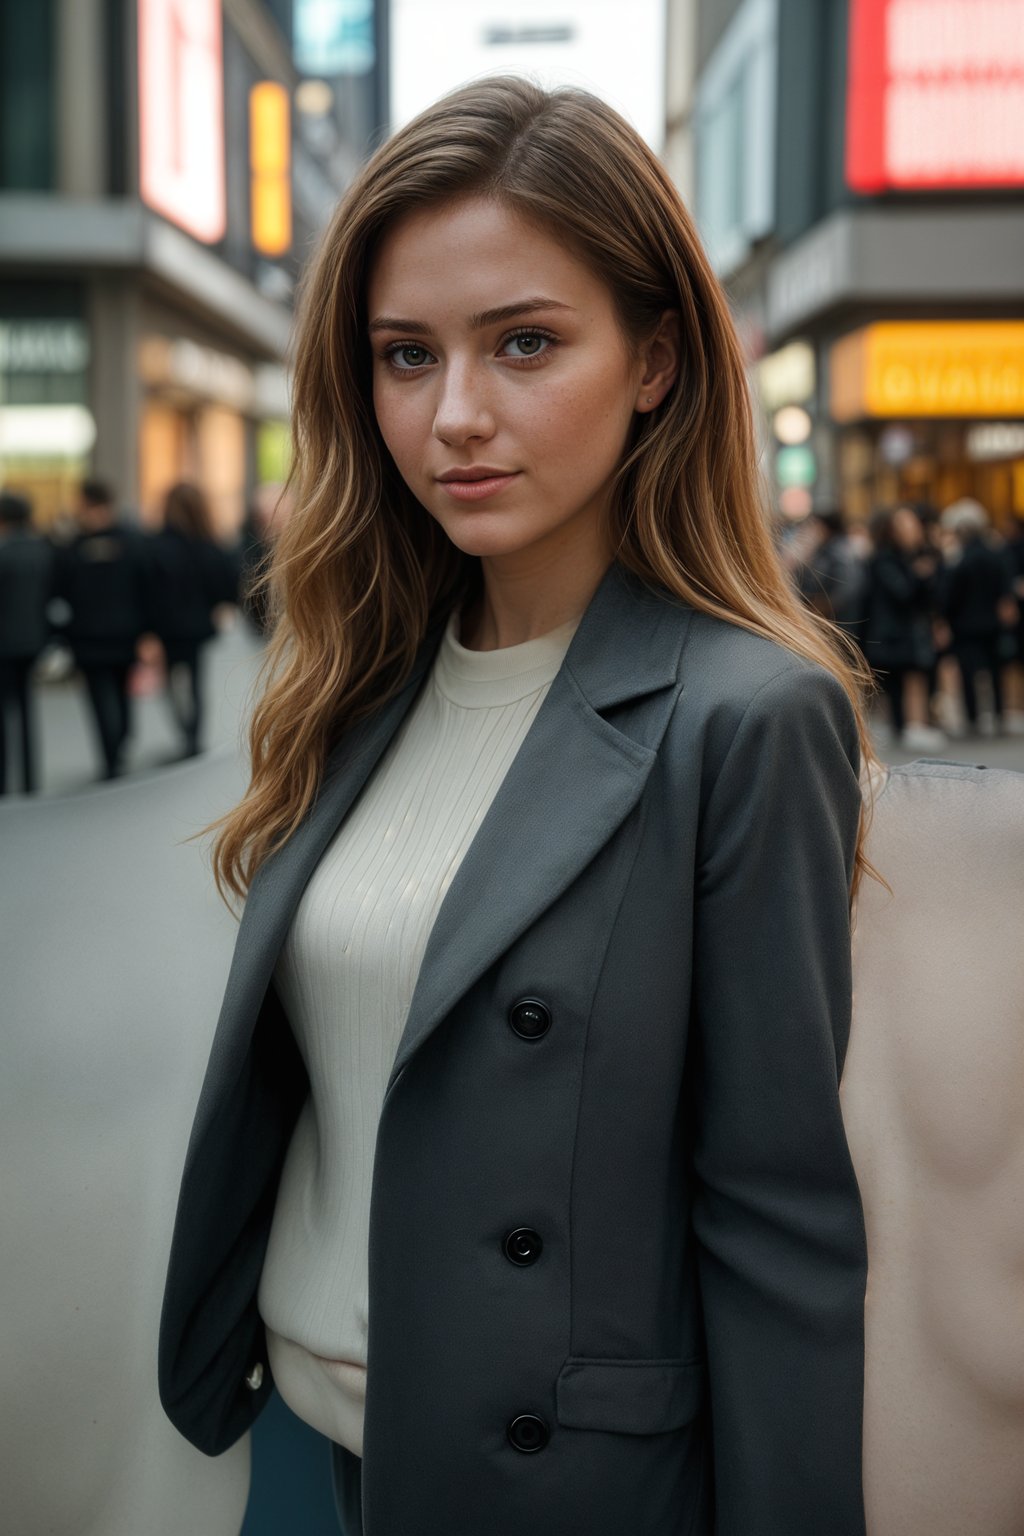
(463, 413)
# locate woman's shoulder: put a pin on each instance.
(727, 669)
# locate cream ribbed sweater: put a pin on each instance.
(346, 975)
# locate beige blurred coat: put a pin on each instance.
(933, 1100)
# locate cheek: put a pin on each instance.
(581, 418)
(398, 421)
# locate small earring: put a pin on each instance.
(650, 399)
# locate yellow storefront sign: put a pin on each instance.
(929, 368)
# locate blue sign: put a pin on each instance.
(334, 37)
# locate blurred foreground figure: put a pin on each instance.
(932, 1099)
(110, 1004)
(26, 584)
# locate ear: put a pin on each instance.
(660, 362)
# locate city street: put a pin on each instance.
(70, 758)
(734, 289)
(988, 752)
(69, 752)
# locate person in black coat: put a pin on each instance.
(832, 578)
(193, 576)
(979, 606)
(26, 584)
(105, 578)
(267, 514)
(1015, 561)
(900, 600)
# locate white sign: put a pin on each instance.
(786, 377)
(996, 440)
(614, 51)
(181, 114)
(46, 431)
(43, 346)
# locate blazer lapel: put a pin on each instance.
(573, 781)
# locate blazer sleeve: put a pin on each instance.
(777, 1214)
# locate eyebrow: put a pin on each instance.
(477, 322)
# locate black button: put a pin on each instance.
(528, 1433)
(530, 1018)
(523, 1246)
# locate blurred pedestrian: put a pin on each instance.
(979, 606)
(26, 585)
(104, 577)
(267, 514)
(194, 575)
(1013, 675)
(939, 686)
(901, 596)
(832, 577)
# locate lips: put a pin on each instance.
(476, 481)
(473, 472)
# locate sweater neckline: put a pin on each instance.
(483, 679)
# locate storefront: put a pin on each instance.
(204, 409)
(929, 410)
(784, 385)
(209, 415)
(47, 429)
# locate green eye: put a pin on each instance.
(412, 357)
(529, 344)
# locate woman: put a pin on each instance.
(901, 595)
(525, 1085)
(192, 577)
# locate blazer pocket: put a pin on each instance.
(629, 1397)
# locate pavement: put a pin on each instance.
(70, 760)
(68, 748)
(985, 750)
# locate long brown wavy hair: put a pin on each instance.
(360, 572)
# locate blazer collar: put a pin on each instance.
(628, 641)
(573, 781)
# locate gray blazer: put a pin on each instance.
(626, 1038)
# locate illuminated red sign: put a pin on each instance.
(936, 94)
(181, 114)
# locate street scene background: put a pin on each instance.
(854, 168)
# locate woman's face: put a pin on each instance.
(503, 385)
(906, 528)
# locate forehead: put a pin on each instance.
(445, 263)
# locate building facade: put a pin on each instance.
(859, 166)
(165, 166)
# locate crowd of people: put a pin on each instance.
(114, 596)
(936, 603)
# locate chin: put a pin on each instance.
(488, 548)
(483, 534)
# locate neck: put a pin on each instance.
(528, 595)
